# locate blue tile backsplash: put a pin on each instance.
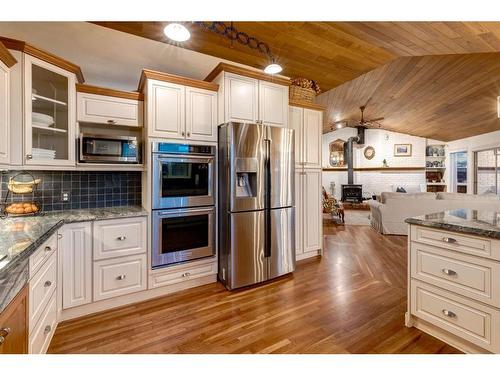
(86, 189)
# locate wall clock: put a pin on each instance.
(369, 152)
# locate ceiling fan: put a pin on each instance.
(362, 122)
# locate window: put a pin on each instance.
(459, 172)
(486, 175)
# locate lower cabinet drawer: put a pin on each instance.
(41, 335)
(179, 275)
(467, 275)
(42, 286)
(116, 277)
(458, 315)
(42, 254)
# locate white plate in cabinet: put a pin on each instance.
(41, 335)
(170, 277)
(42, 254)
(42, 286)
(116, 277)
(479, 246)
(201, 114)
(458, 315)
(464, 274)
(103, 109)
(119, 237)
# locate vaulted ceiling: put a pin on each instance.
(432, 79)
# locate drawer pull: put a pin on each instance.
(121, 277)
(111, 122)
(59, 235)
(449, 240)
(449, 314)
(121, 238)
(186, 274)
(449, 272)
(48, 283)
(47, 249)
(47, 329)
(4, 332)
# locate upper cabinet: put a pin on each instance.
(6, 62)
(308, 124)
(42, 107)
(49, 117)
(106, 106)
(178, 107)
(250, 96)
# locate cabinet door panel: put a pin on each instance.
(103, 109)
(241, 99)
(312, 210)
(14, 317)
(4, 113)
(273, 104)
(296, 119)
(201, 114)
(49, 114)
(166, 107)
(76, 249)
(313, 123)
(299, 212)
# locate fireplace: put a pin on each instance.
(352, 193)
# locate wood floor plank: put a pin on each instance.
(352, 300)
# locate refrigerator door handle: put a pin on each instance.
(267, 217)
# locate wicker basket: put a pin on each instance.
(301, 94)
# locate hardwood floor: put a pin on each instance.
(352, 300)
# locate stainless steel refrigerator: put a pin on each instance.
(256, 203)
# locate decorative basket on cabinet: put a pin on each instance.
(303, 90)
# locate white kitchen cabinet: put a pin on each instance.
(241, 98)
(201, 114)
(49, 113)
(312, 210)
(166, 109)
(273, 104)
(308, 211)
(308, 124)
(102, 109)
(4, 114)
(76, 249)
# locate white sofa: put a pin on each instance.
(388, 216)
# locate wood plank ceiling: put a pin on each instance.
(431, 79)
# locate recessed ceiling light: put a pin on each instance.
(177, 32)
(273, 68)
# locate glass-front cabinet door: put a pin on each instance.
(50, 117)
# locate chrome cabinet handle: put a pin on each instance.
(449, 314)
(4, 332)
(48, 248)
(121, 238)
(186, 274)
(111, 122)
(121, 277)
(188, 134)
(59, 235)
(449, 240)
(29, 156)
(48, 283)
(449, 272)
(47, 329)
(182, 133)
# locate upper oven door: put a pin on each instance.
(182, 181)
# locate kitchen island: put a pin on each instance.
(454, 278)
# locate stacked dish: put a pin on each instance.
(41, 120)
(41, 153)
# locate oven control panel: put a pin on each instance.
(176, 148)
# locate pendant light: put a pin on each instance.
(177, 32)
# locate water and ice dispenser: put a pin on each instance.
(246, 177)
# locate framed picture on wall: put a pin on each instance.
(402, 149)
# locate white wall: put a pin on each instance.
(383, 142)
(471, 144)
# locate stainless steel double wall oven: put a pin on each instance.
(183, 202)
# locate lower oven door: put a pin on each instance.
(183, 234)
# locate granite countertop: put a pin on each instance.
(467, 221)
(21, 236)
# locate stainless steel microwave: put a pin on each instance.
(109, 149)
